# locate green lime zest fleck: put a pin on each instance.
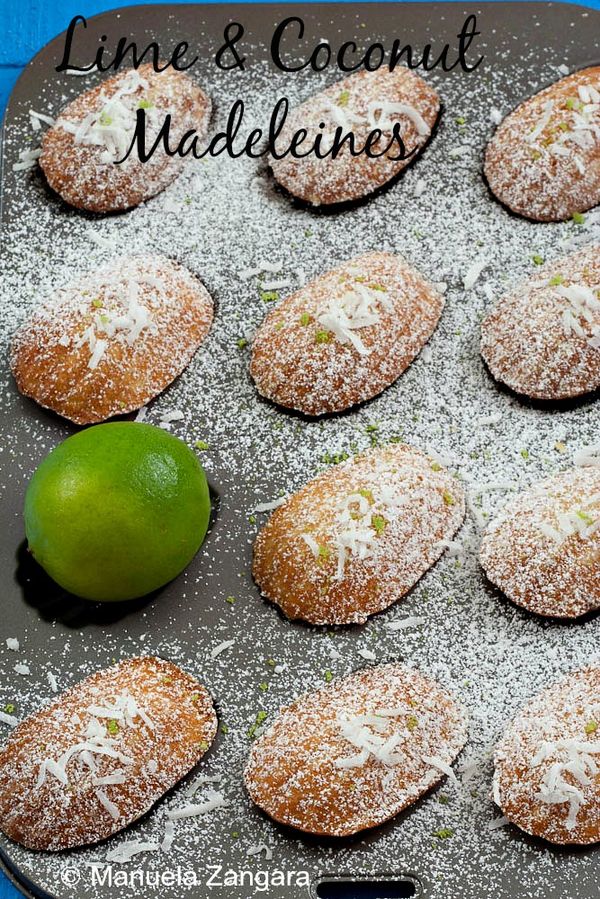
(230, 600)
(587, 519)
(201, 445)
(435, 466)
(225, 729)
(263, 686)
(260, 719)
(269, 296)
(105, 119)
(368, 494)
(145, 104)
(373, 431)
(460, 120)
(443, 799)
(271, 663)
(537, 259)
(194, 697)
(97, 304)
(166, 679)
(9, 708)
(412, 722)
(343, 98)
(379, 523)
(334, 458)
(252, 519)
(113, 727)
(322, 337)
(448, 498)
(235, 834)
(203, 745)
(570, 103)
(591, 727)
(444, 833)
(323, 553)
(578, 218)
(308, 232)
(241, 343)
(525, 453)
(305, 318)
(379, 287)
(556, 280)
(328, 676)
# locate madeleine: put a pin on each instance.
(547, 764)
(542, 339)
(359, 104)
(112, 340)
(355, 753)
(95, 131)
(99, 756)
(356, 538)
(346, 336)
(543, 161)
(543, 550)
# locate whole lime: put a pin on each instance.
(117, 510)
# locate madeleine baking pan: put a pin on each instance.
(229, 223)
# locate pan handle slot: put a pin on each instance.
(366, 889)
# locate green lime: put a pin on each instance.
(117, 510)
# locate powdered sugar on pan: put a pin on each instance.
(220, 219)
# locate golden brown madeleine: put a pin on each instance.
(96, 129)
(356, 538)
(543, 338)
(543, 161)
(99, 756)
(356, 752)
(360, 103)
(543, 550)
(547, 764)
(346, 336)
(112, 340)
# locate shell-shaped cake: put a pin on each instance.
(356, 752)
(543, 549)
(82, 151)
(542, 339)
(99, 756)
(112, 340)
(547, 764)
(543, 161)
(356, 538)
(346, 336)
(358, 104)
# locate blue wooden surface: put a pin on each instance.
(28, 25)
